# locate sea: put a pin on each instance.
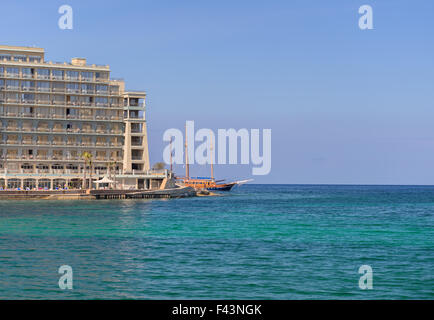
(255, 242)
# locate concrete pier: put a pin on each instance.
(181, 192)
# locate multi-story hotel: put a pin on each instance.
(52, 114)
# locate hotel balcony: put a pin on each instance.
(60, 117)
(77, 131)
(12, 157)
(27, 76)
(43, 89)
(28, 89)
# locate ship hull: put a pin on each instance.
(224, 187)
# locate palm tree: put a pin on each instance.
(87, 157)
(159, 166)
(91, 171)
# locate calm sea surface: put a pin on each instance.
(257, 242)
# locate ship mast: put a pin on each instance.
(171, 162)
(212, 166)
(187, 171)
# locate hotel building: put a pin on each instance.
(52, 113)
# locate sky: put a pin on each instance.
(345, 105)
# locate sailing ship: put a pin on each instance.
(208, 183)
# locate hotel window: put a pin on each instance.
(72, 87)
(114, 102)
(86, 76)
(101, 141)
(28, 111)
(34, 59)
(27, 166)
(41, 154)
(86, 141)
(2, 70)
(58, 86)
(71, 141)
(6, 57)
(57, 140)
(20, 58)
(58, 113)
(100, 114)
(72, 75)
(43, 98)
(58, 127)
(57, 74)
(43, 73)
(28, 98)
(27, 72)
(101, 128)
(12, 84)
(101, 76)
(57, 166)
(42, 113)
(44, 86)
(87, 101)
(28, 85)
(86, 127)
(12, 97)
(58, 99)
(101, 88)
(87, 88)
(12, 72)
(75, 99)
(136, 141)
(12, 138)
(71, 113)
(114, 89)
(101, 101)
(100, 156)
(86, 114)
(72, 99)
(71, 167)
(73, 154)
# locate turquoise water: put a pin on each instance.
(257, 242)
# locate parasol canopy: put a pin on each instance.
(105, 179)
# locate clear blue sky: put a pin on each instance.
(344, 105)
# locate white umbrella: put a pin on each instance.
(104, 180)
